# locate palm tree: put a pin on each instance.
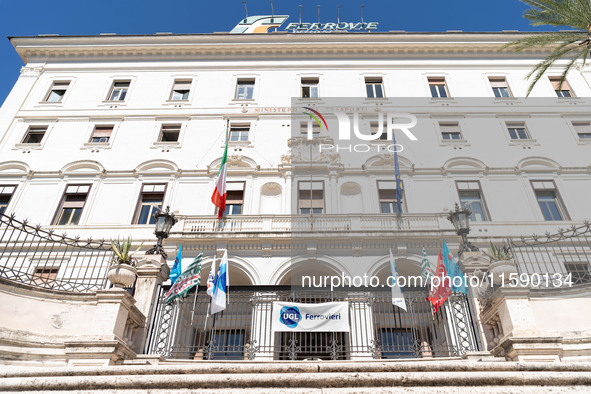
(570, 45)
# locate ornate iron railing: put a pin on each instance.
(44, 258)
(379, 330)
(566, 253)
(303, 223)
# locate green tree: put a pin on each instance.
(570, 45)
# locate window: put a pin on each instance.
(471, 198)
(580, 271)
(500, 87)
(374, 87)
(119, 91)
(387, 196)
(101, 134)
(309, 87)
(311, 197)
(397, 343)
(72, 204)
(450, 131)
(583, 130)
(150, 202)
(169, 133)
(438, 87)
(561, 91)
(234, 198)
(374, 127)
(549, 201)
(245, 89)
(6, 192)
(229, 345)
(35, 135)
(239, 132)
(517, 131)
(57, 92)
(181, 90)
(45, 276)
(310, 123)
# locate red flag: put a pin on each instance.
(218, 198)
(438, 294)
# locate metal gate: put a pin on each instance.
(379, 330)
(545, 260)
(43, 258)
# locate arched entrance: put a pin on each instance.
(377, 328)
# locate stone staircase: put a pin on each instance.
(421, 376)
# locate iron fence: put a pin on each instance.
(43, 258)
(184, 329)
(550, 259)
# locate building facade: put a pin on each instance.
(100, 132)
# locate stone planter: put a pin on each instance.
(122, 275)
(500, 269)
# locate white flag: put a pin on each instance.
(397, 296)
(218, 299)
(210, 278)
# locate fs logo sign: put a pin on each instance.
(259, 24)
(394, 121)
(290, 316)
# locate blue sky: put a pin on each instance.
(79, 17)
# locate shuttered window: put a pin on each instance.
(72, 205)
(311, 197)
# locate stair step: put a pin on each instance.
(289, 376)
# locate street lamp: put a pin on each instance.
(460, 218)
(164, 222)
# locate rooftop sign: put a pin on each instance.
(262, 24)
(330, 27)
(258, 24)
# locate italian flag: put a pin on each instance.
(218, 198)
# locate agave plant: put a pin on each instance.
(499, 253)
(123, 251)
(568, 45)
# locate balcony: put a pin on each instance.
(409, 224)
(305, 224)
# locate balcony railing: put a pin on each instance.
(320, 223)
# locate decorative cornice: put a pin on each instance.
(276, 46)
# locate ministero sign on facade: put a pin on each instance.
(263, 23)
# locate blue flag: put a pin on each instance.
(453, 270)
(176, 270)
(218, 299)
(397, 175)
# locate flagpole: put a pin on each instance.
(194, 303)
(222, 217)
(398, 182)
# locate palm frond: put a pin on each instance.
(574, 13)
(571, 45)
(540, 40)
(541, 68)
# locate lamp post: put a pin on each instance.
(460, 218)
(164, 222)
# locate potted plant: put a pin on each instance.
(122, 272)
(502, 264)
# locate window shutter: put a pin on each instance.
(182, 85)
(498, 82)
(102, 131)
